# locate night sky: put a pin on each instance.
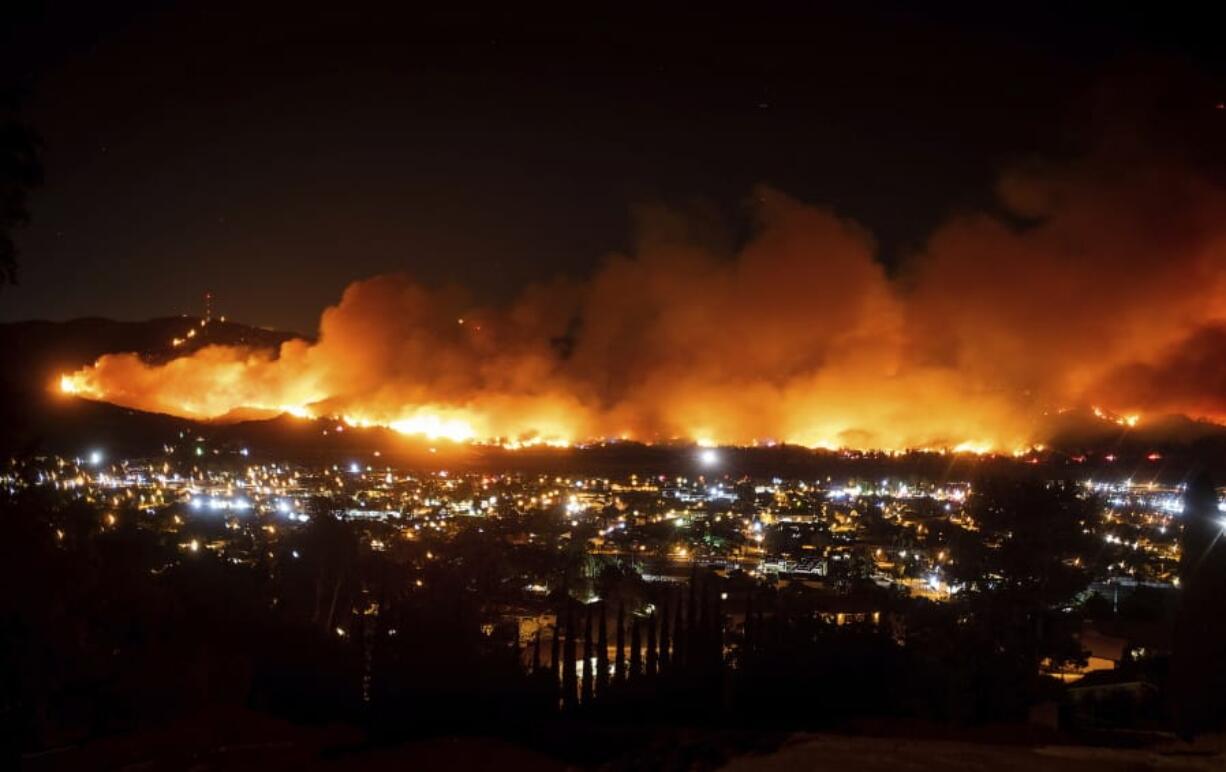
(274, 156)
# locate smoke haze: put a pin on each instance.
(1100, 282)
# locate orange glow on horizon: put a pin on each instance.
(800, 337)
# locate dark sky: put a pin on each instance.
(273, 155)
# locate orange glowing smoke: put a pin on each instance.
(1114, 294)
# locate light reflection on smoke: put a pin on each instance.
(1112, 294)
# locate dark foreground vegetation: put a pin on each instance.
(112, 627)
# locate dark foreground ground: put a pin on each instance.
(251, 741)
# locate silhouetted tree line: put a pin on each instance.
(21, 172)
(658, 648)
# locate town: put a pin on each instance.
(846, 540)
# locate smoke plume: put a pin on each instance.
(1101, 282)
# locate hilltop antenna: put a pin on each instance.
(208, 306)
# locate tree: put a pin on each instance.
(636, 649)
(1022, 569)
(1199, 661)
(555, 656)
(679, 637)
(652, 659)
(588, 653)
(665, 657)
(602, 654)
(20, 173)
(619, 663)
(569, 690)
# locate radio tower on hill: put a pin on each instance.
(208, 306)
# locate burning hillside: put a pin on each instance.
(800, 336)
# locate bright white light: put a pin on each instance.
(95, 457)
(354, 468)
(709, 457)
(195, 503)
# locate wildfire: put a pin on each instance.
(1123, 420)
(800, 337)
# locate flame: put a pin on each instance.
(977, 448)
(801, 336)
(435, 427)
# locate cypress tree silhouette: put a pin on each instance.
(747, 642)
(570, 692)
(691, 620)
(665, 658)
(717, 651)
(602, 654)
(759, 628)
(652, 660)
(1198, 664)
(555, 658)
(706, 628)
(517, 654)
(619, 662)
(536, 652)
(679, 638)
(636, 651)
(588, 653)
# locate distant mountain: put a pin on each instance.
(1086, 432)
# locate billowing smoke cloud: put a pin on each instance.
(1102, 282)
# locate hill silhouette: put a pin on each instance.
(36, 418)
(33, 354)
